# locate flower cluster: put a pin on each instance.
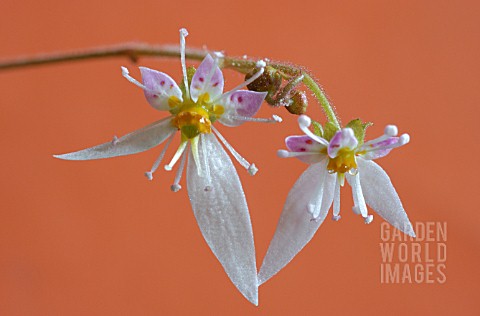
(213, 186)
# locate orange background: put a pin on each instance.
(97, 238)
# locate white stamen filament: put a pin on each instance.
(274, 119)
(196, 156)
(183, 34)
(369, 219)
(177, 156)
(358, 197)
(176, 182)
(242, 161)
(282, 153)
(127, 76)
(245, 83)
(336, 201)
(304, 122)
(149, 174)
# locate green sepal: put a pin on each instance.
(359, 129)
(317, 128)
(329, 130)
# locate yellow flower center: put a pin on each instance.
(343, 162)
(193, 119)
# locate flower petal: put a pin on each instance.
(222, 215)
(314, 151)
(342, 139)
(207, 80)
(378, 149)
(160, 88)
(241, 103)
(295, 227)
(135, 142)
(381, 196)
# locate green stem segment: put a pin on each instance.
(321, 98)
(136, 50)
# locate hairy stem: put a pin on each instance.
(322, 98)
(134, 51)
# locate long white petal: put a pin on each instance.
(222, 215)
(135, 142)
(380, 194)
(295, 227)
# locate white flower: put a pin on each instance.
(214, 188)
(318, 188)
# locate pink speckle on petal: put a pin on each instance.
(162, 83)
(201, 79)
(240, 99)
(155, 96)
(215, 84)
(308, 141)
(334, 145)
(171, 86)
(302, 149)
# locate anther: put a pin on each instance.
(252, 169)
(175, 187)
(304, 120)
(404, 139)
(391, 130)
(336, 218)
(368, 219)
(260, 64)
(218, 54)
(282, 153)
(149, 175)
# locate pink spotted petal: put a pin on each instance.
(342, 139)
(207, 80)
(160, 88)
(310, 151)
(379, 149)
(241, 103)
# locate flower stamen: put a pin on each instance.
(261, 65)
(336, 202)
(274, 119)
(183, 34)
(175, 187)
(304, 122)
(149, 174)
(251, 168)
(177, 156)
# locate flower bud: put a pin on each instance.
(270, 81)
(298, 102)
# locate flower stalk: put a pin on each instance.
(134, 51)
